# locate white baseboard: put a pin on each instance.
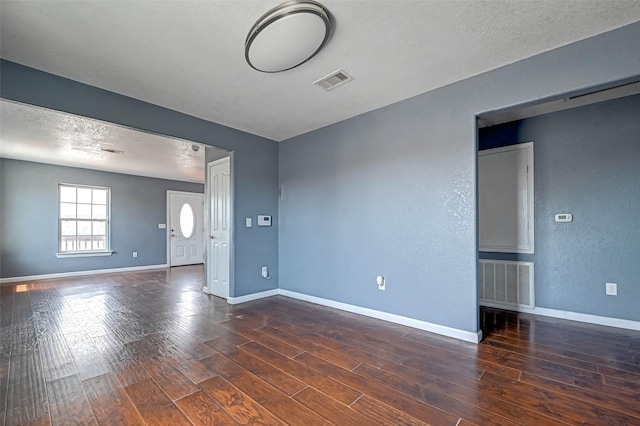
(78, 273)
(398, 319)
(573, 316)
(253, 296)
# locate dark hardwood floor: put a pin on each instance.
(151, 348)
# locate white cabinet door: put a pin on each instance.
(505, 199)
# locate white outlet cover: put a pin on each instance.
(162, 226)
(247, 222)
(611, 289)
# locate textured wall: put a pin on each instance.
(393, 191)
(29, 218)
(587, 163)
(255, 159)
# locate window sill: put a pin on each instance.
(84, 254)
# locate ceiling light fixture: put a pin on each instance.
(287, 36)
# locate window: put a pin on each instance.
(186, 220)
(83, 219)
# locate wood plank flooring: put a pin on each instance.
(151, 348)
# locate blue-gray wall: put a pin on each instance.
(587, 163)
(29, 218)
(390, 192)
(393, 191)
(255, 159)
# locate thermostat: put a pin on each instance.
(564, 217)
(264, 220)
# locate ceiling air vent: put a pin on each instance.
(333, 80)
(111, 150)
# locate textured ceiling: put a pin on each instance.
(189, 56)
(36, 134)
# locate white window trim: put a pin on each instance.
(84, 254)
(88, 253)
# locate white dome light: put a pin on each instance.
(287, 36)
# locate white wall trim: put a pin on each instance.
(252, 296)
(398, 319)
(572, 316)
(467, 336)
(78, 273)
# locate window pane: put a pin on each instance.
(99, 196)
(99, 212)
(84, 195)
(186, 220)
(68, 227)
(84, 227)
(67, 194)
(84, 211)
(98, 243)
(67, 210)
(68, 244)
(98, 228)
(84, 243)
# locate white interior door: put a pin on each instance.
(186, 240)
(505, 199)
(219, 241)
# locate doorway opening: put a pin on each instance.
(584, 205)
(149, 169)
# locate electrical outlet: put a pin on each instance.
(611, 289)
(381, 282)
(135, 254)
(265, 272)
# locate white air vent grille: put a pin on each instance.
(333, 80)
(111, 150)
(506, 283)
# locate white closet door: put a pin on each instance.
(505, 199)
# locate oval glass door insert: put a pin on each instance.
(186, 220)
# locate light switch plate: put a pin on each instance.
(162, 226)
(247, 222)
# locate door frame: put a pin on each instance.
(207, 221)
(168, 224)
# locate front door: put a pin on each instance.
(219, 247)
(186, 245)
